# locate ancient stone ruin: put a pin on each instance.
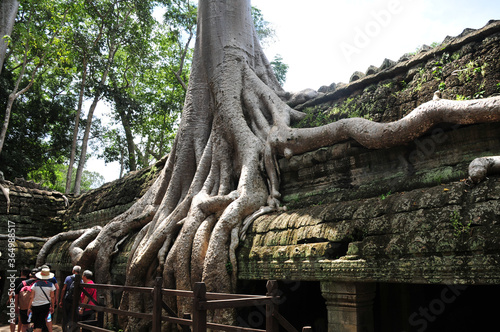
(395, 239)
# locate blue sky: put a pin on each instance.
(325, 41)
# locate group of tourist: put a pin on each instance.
(37, 296)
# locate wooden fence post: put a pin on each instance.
(100, 314)
(157, 304)
(199, 313)
(77, 290)
(272, 324)
(186, 328)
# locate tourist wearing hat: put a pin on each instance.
(48, 325)
(42, 298)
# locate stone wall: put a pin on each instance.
(355, 187)
(367, 222)
(33, 212)
(36, 212)
(97, 207)
(404, 214)
(34, 215)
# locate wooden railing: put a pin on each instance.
(197, 321)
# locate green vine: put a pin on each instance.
(229, 268)
(459, 228)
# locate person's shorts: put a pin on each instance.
(23, 314)
(40, 314)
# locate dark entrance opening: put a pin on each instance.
(301, 304)
(410, 307)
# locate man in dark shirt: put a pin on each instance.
(23, 312)
(66, 301)
(17, 282)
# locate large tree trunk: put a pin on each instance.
(74, 142)
(8, 13)
(222, 166)
(129, 137)
(86, 134)
(85, 141)
(213, 177)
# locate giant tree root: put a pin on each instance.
(65, 236)
(374, 135)
(6, 193)
(479, 168)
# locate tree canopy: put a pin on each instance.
(66, 57)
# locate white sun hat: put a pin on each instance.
(45, 274)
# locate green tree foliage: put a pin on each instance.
(121, 24)
(53, 177)
(280, 68)
(40, 125)
(115, 148)
(147, 89)
(36, 49)
(8, 13)
(267, 34)
(264, 29)
(63, 53)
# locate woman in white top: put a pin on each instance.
(42, 299)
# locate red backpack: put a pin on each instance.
(25, 295)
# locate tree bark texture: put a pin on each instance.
(8, 13)
(129, 137)
(222, 171)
